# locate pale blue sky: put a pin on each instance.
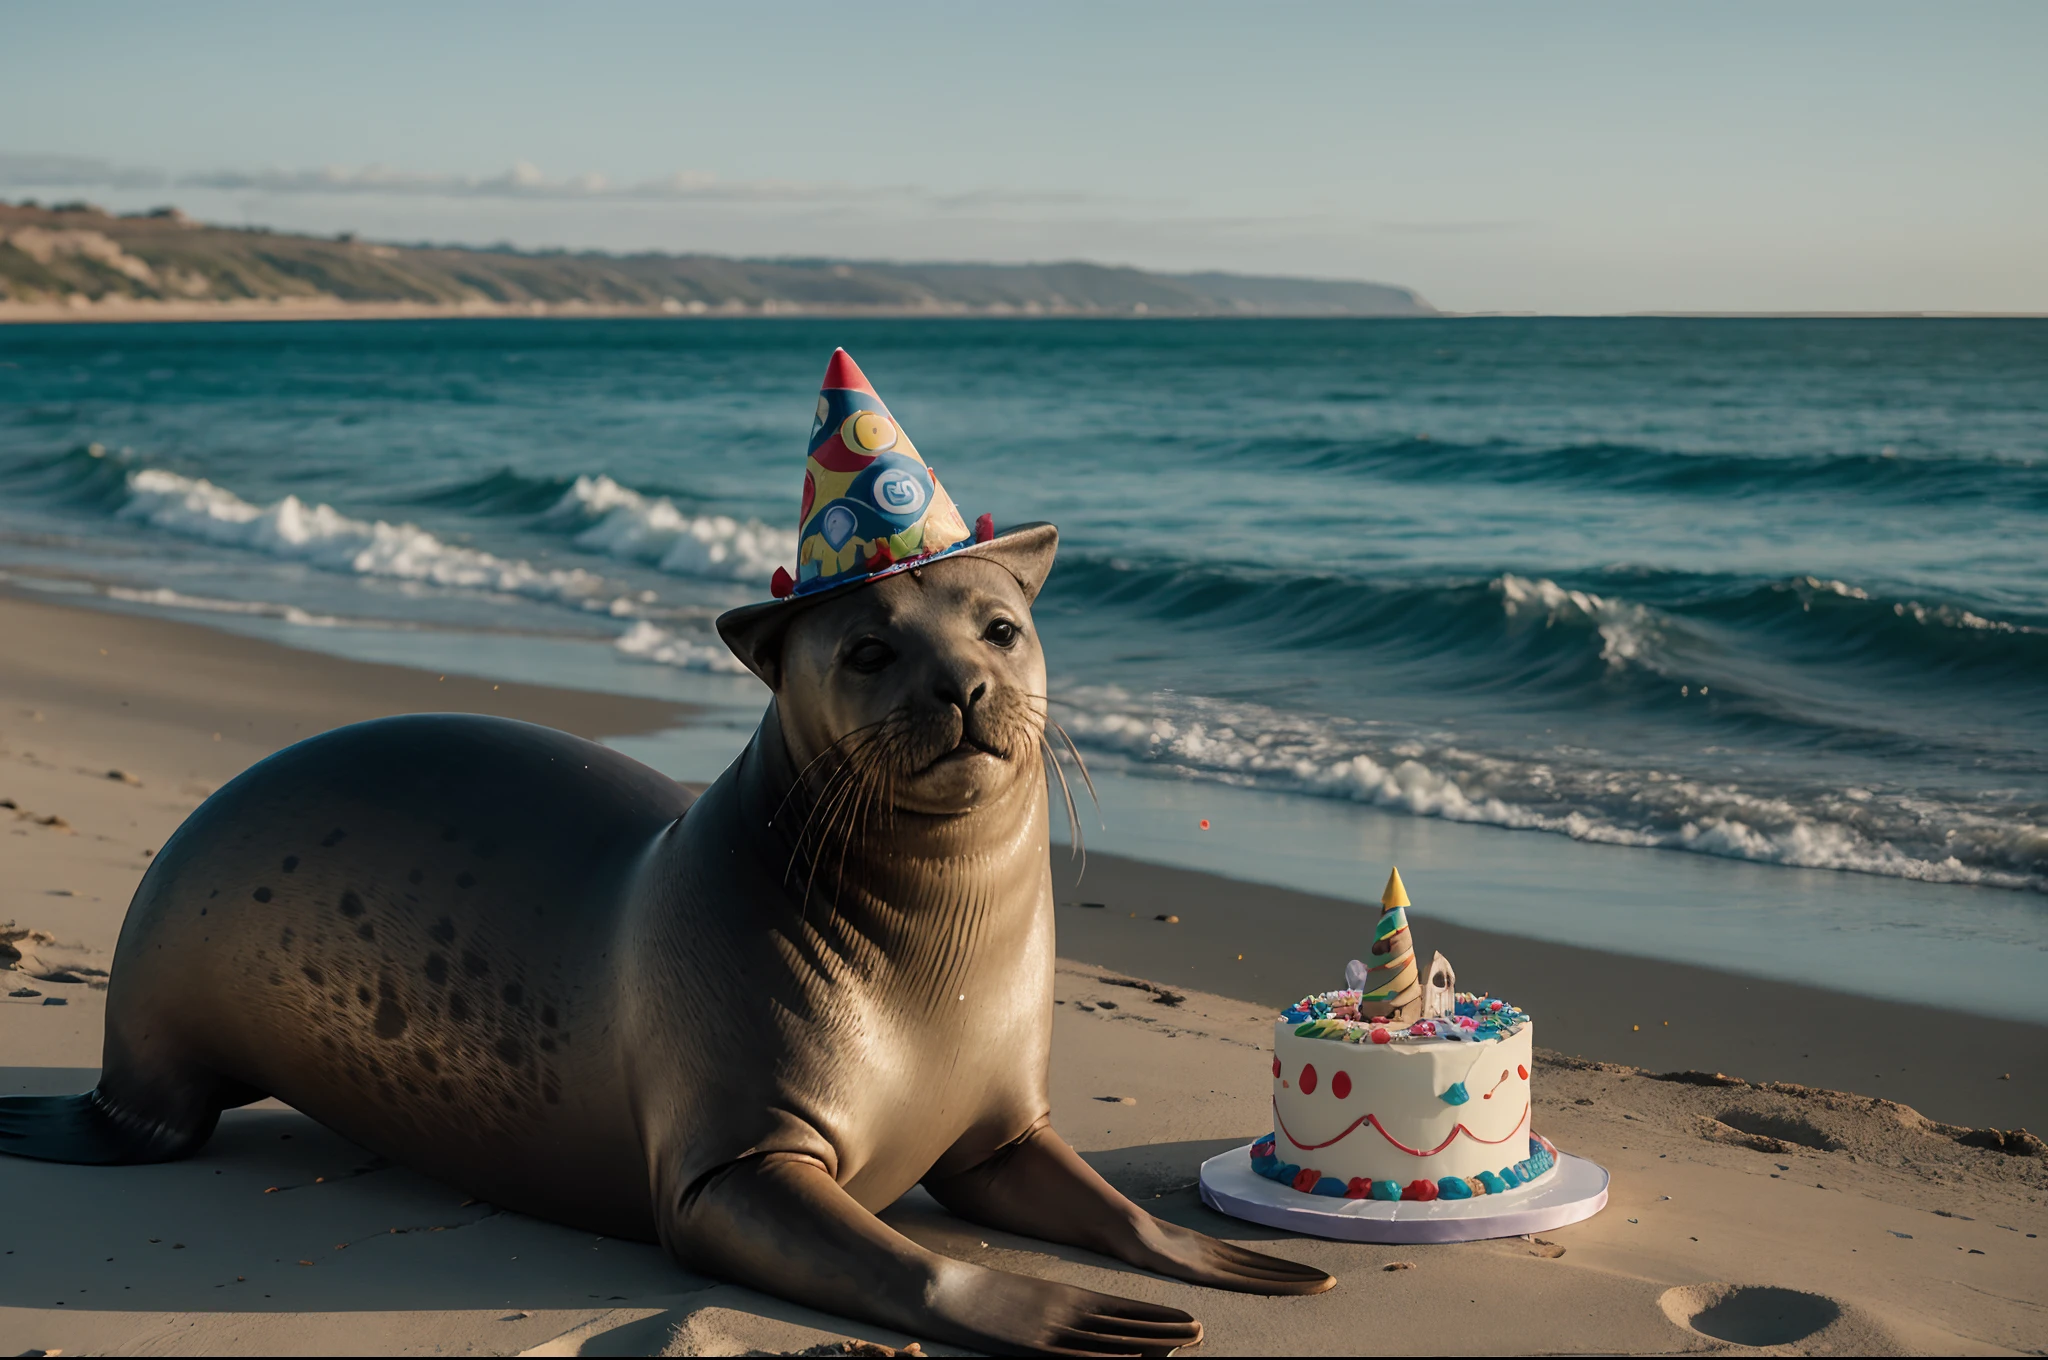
(1564, 158)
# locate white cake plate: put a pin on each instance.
(1572, 1190)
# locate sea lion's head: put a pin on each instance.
(923, 689)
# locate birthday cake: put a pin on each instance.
(1400, 1087)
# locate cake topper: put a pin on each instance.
(1440, 988)
(1390, 987)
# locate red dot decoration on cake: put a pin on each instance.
(1340, 1085)
(1521, 1072)
(1276, 1065)
(1308, 1079)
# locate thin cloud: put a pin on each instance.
(524, 181)
(75, 172)
(1448, 228)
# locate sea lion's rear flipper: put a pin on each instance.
(68, 1129)
(91, 1130)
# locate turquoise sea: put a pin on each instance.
(1715, 639)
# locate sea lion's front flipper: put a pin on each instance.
(1038, 1185)
(779, 1223)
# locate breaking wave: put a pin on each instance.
(606, 518)
(1868, 831)
(645, 641)
(600, 516)
(1532, 634)
(610, 519)
(323, 537)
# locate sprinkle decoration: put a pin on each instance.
(1542, 1157)
(1348, 1016)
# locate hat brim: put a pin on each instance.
(754, 631)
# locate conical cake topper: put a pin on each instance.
(870, 502)
(1391, 986)
(1395, 894)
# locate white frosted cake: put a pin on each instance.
(1390, 1089)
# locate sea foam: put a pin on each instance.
(322, 536)
(290, 613)
(617, 521)
(1573, 794)
(646, 642)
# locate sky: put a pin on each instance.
(1557, 158)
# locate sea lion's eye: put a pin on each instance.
(1001, 632)
(870, 655)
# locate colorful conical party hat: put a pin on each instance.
(873, 507)
(1391, 985)
(870, 500)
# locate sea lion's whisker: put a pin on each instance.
(1079, 762)
(848, 780)
(852, 793)
(1073, 814)
(846, 770)
(855, 814)
(804, 773)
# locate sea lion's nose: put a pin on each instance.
(961, 688)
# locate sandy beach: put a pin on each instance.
(1765, 1207)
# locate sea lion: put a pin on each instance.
(742, 1025)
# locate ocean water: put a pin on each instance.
(1764, 591)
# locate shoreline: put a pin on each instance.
(279, 1237)
(246, 696)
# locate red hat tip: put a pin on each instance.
(842, 371)
(985, 529)
(781, 585)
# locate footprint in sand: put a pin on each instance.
(1765, 1315)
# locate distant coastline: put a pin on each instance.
(77, 262)
(148, 310)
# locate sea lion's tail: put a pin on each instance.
(87, 1131)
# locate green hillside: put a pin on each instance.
(77, 253)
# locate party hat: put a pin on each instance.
(871, 502)
(872, 507)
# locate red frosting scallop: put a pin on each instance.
(1305, 1179)
(1308, 1079)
